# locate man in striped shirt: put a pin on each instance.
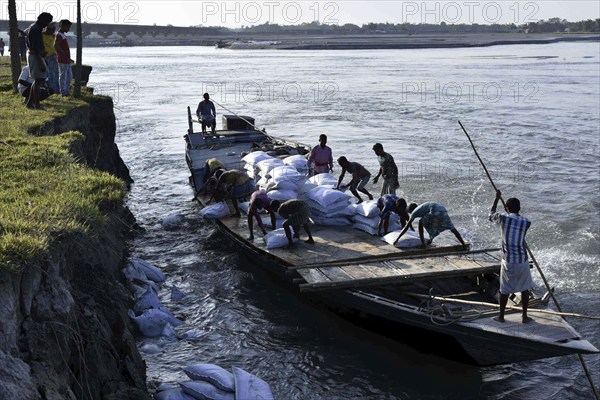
(515, 275)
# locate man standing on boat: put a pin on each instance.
(515, 275)
(320, 159)
(388, 169)
(207, 114)
(434, 219)
(360, 178)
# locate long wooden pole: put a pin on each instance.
(596, 394)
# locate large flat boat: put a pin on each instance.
(443, 289)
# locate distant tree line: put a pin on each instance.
(550, 26)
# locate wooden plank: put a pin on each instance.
(357, 272)
(440, 252)
(313, 276)
(409, 277)
(335, 273)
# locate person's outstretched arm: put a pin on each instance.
(403, 231)
(495, 205)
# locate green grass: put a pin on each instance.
(45, 192)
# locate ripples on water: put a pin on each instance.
(534, 118)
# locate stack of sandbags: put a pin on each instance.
(148, 315)
(367, 218)
(284, 182)
(209, 381)
(299, 162)
(251, 160)
(329, 206)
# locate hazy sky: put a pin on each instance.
(238, 13)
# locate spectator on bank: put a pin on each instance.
(61, 44)
(2, 44)
(36, 59)
(25, 83)
(22, 42)
(51, 60)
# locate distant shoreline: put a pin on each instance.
(350, 42)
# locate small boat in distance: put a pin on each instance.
(444, 290)
(247, 44)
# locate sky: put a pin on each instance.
(235, 14)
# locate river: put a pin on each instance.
(533, 112)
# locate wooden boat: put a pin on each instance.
(443, 289)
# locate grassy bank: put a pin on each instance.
(45, 192)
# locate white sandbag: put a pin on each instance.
(169, 332)
(326, 196)
(306, 187)
(176, 294)
(409, 240)
(263, 183)
(213, 374)
(365, 228)
(250, 387)
(287, 173)
(323, 179)
(266, 166)
(334, 209)
(218, 210)
(244, 207)
(152, 321)
(147, 300)
(133, 272)
(367, 208)
(173, 394)
(255, 157)
(373, 222)
(205, 391)
(331, 221)
(277, 239)
(282, 195)
(151, 272)
(299, 162)
(173, 222)
(151, 348)
(282, 185)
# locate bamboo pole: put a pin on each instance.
(583, 364)
(492, 305)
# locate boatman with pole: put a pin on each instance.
(207, 114)
(515, 275)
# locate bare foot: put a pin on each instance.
(498, 319)
(311, 241)
(527, 320)
(359, 201)
(251, 238)
(370, 197)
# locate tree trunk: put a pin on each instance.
(78, 63)
(15, 53)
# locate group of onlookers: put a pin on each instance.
(48, 69)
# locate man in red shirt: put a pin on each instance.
(65, 74)
(321, 157)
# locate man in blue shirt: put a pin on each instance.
(515, 275)
(434, 218)
(206, 113)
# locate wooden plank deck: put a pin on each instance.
(394, 271)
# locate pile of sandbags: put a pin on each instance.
(209, 381)
(367, 218)
(329, 206)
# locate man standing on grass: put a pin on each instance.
(35, 60)
(65, 74)
(515, 275)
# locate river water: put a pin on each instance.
(533, 112)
